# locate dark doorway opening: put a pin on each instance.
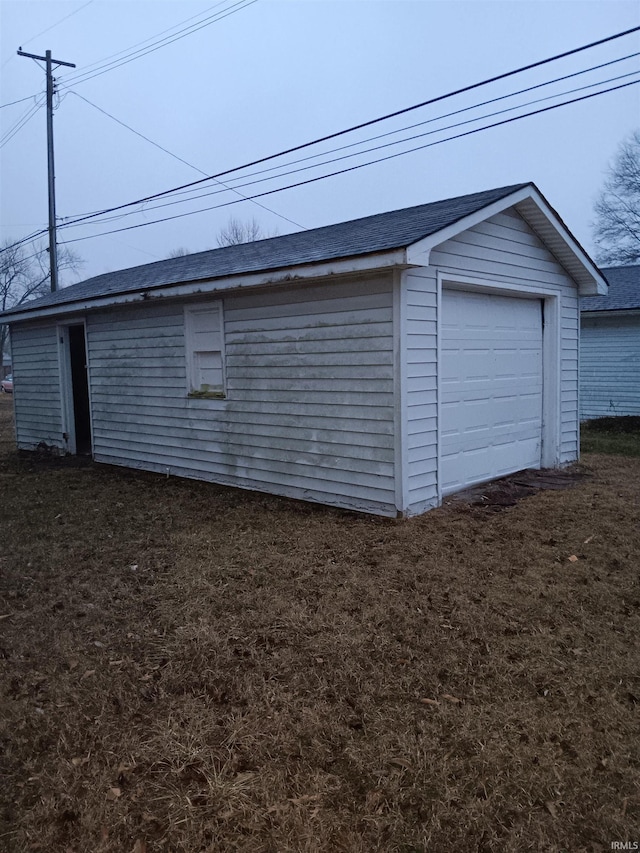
(80, 389)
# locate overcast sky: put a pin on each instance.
(266, 76)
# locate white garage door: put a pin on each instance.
(490, 386)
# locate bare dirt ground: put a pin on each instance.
(190, 668)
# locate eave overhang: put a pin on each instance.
(375, 262)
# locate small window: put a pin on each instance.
(204, 345)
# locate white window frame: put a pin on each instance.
(190, 312)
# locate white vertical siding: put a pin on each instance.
(421, 392)
(36, 374)
(309, 407)
(504, 249)
(609, 366)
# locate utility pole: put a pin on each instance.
(53, 249)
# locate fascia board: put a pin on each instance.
(281, 277)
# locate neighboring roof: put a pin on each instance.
(370, 235)
(624, 291)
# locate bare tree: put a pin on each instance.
(25, 275)
(178, 253)
(617, 226)
(236, 231)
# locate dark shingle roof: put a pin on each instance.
(624, 291)
(379, 233)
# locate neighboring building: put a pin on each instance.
(5, 369)
(610, 347)
(375, 365)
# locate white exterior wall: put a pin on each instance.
(421, 353)
(309, 411)
(36, 374)
(500, 253)
(609, 365)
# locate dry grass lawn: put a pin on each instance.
(191, 668)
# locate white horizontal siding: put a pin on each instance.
(309, 407)
(504, 248)
(569, 375)
(170, 413)
(609, 366)
(36, 374)
(421, 388)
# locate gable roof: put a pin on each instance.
(624, 291)
(357, 238)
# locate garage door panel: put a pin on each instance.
(477, 465)
(482, 463)
(495, 397)
(518, 431)
(490, 438)
(489, 336)
(491, 387)
(469, 366)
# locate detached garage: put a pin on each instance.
(376, 365)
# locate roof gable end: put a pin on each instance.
(544, 221)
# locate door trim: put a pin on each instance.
(66, 386)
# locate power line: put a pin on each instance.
(180, 159)
(78, 222)
(191, 197)
(136, 132)
(33, 236)
(371, 122)
(87, 74)
(71, 14)
(20, 100)
(82, 77)
(17, 127)
(23, 119)
(456, 112)
(87, 69)
(341, 171)
(368, 124)
(34, 255)
(181, 34)
(358, 166)
(132, 47)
